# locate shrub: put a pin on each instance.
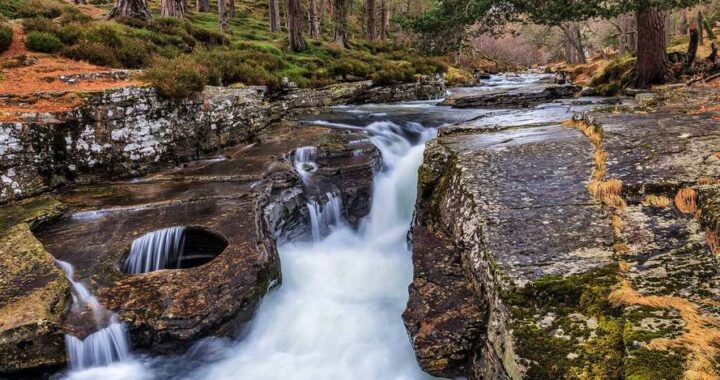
(72, 14)
(228, 67)
(428, 66)
(134, 54)
(208, 36)
(93, 52)
(43, 8)
(351, 66)
(106, 34)
(393, 74)
(39, 24)
(70, 33)
(177, 78)
(43, 42)
(6, 37)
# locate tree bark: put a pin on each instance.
(130, 9)
(203, 5)
(341, 9)
(295, 25)
(370, 29)
(692, 47)
(172, 8)
(701, 40)
(574, 38)
(223, 15)
(231, 8)
(383, 19)
(652, 66)
(274, 10)
(313, 19)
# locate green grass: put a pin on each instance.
(145, 44)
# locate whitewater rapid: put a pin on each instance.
(338, 312)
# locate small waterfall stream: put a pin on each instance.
(108, 344)
(156, 250)
(325, 216)
(304, 161)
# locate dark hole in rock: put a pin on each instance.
(173, 248)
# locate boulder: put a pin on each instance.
(526, 96)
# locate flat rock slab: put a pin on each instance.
(510, 206)
(663, 149)
(526, 96)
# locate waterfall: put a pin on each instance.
(100, 348)
(156, 250)
(325, 216)
(106, 345)
(304, 161)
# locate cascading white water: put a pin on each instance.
(325, 216)
(338, 313)
(304, 161)
(155, 250)
(110, 343)
(105, 346)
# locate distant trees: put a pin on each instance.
(203, 5)
(341, 10)
(295, 25)
(172, 8)
(274, 11)
(130, 9)
(370, 30)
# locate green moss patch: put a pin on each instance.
(565, 327)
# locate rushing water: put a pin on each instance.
(155, 250)
(338, 313)
(108, 344)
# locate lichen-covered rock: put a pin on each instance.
(33, 292)
(513, 98)
(132, 130)
(534, 249)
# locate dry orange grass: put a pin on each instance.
(707, 181)
(660, 201)
(621, 248)
(712, 241)
(617, 223)
(686, 200)
(717, 154)
(701, 338)
(624, 266)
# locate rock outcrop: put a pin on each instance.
(513, 98)
(583, 251)
(248, 195)
(132, 131)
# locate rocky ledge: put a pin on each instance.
(247, 196)
(584, 250)
(526, 96)
(132, 131)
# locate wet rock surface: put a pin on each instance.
(560, 285)
(248, 194)
(522, 96)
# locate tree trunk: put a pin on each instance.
(708, 28)
(383, 19)
(313, 19)
(172, 8)
(574, 38)
(370, 30)
(295, 25)
(652, 66)
(684, 22)
(231, 8)
(80, 2)
(274, 10)
(701, 40)
(223, 15)
(203, 5)
(341, 9)
(692, 47)
(130, 9)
